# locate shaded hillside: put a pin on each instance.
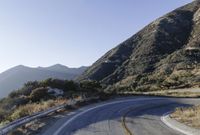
(164, 54)
(15, 78)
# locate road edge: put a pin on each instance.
(173, 124)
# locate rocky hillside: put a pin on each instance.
(164, 54)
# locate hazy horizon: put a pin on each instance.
(41, 66)
(73, 33)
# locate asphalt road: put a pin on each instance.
(141, 116)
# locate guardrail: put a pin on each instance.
(7, 128)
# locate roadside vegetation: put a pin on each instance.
(39, 96)
(158, 81)
(189, 116)
(167, 93)
(179, 93)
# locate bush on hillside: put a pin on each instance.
(3, 114)
(90, 86)
(39, 94)
(35, 93)
(65, 85)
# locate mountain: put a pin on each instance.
(15, 77)
(164, 54)
(62, 68)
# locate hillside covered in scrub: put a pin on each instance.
(41, 95)
(15, 77)
(165, 54)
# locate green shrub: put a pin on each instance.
(90, 86)
(65, 85)
(39, 94)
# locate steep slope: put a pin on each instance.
(164, 54)
(15, 77)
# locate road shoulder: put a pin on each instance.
(171, 123)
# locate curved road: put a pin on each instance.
(125, 116)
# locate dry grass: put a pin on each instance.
(185, 94)
(189, 116)
(31, 108)
(178, 94)
(190, 93)
(38, 126)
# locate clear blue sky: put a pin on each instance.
(71, 32)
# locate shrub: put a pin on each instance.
(39, 94)
(90, 86)
(3, 114)
(60, 84)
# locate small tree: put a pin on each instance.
(39, 94)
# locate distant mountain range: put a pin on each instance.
(15, 77)
(165, 54)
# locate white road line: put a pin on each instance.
(93, 108)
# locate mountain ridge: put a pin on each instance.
(15, 77)
(164, 50)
